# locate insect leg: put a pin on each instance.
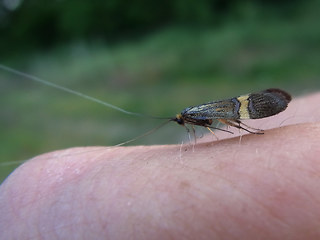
(257, 129)
(213, 133)
(194, 134)
(220, 129)
(237, 124)
(188, 131)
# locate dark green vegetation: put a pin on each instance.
(44, 24)
(163, 67)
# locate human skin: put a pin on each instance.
(259, 187)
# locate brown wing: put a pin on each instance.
(225, 109)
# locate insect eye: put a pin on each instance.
(180, 121)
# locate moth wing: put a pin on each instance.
(224, 109)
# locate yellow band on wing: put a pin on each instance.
(244, 103)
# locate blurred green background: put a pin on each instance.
(144, 56)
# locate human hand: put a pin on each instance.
(262, 187)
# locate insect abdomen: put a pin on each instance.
(263, 104)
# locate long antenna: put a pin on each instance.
(145, 134)
(34, 78)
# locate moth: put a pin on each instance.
(231, 111)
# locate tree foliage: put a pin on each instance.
(43, 24)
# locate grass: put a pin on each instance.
(159, 75)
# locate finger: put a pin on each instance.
(263, 188)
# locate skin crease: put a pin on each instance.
(262, 187)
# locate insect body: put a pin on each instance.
(251, 106)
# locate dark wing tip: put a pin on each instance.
(284, 94)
